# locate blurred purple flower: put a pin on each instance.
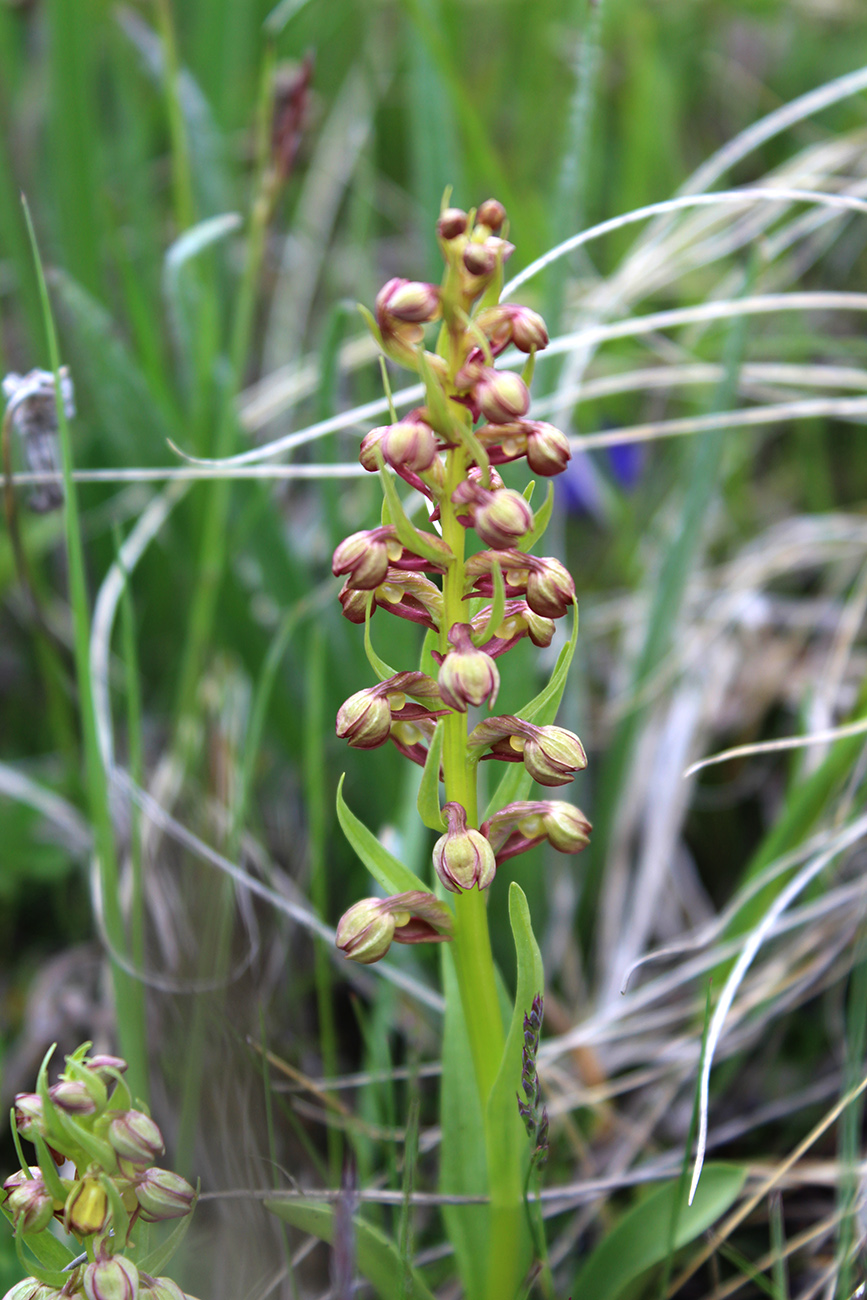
(579, 487)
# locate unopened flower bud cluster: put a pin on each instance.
(87, 1123)
(474, 418)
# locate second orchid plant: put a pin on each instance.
(475, 604)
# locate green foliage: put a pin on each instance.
(378, 1258)
(640, 1238)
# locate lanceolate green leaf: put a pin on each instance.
(542, 516)
(386, 870)
(412, 538)
(508, 1146)
(542, 709)
(157, 1259)
(377, 1255)
(379, 666)
(640, 1239)
(429, 786)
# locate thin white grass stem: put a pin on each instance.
(714, 927)
(63, 815)
(149, 523)
(775, 746)
(774, 124)
(301, 915)
(754, 194)
(193, 474)
(591, 334)
(787, 896)
(680, 376)
(367, 411)
(810, 408)
(773, 1180)
(722, 309)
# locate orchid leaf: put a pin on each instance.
(386, 870)
(379, 666)
(543, 518)
(429, 786)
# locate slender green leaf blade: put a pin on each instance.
(429, 786)
(378, 1257)
(542, 519)
(379, 666)
(386, 870)
(640, 1239)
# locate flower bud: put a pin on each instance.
(452, 222)
(135, 1137)
(552, 755)
(86, 1208)
(159, 1288)
(480, 259)
(364, 720)
(106, 1066)
(112, 1278)
(510, 323)
(529, 331)
(548, 450)
(163, 1194)
(73, 1097)
(463, 858)
(28, 1201)
(410, 444)
(566, 827)
(550, 588)
(503, 519)
(26, 1289)
(365, 932)
(367, 451)
(492, 214)
(408, 301)
(502, 396)
(364, 556)
(29, 1118)
(467, 675)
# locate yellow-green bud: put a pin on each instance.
(365, 932)
(113, 1278)
(28, 1201)
(86, 1208)
(135, 1137)
(410, 444)
(552, 755)
(29, 1118)
(463, 858)
(503, 519)
(566, 827)
(364, 556)
(364, 720)
(503, 396)
(163, 1194)
(467, 675)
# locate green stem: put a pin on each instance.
(474, 962)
